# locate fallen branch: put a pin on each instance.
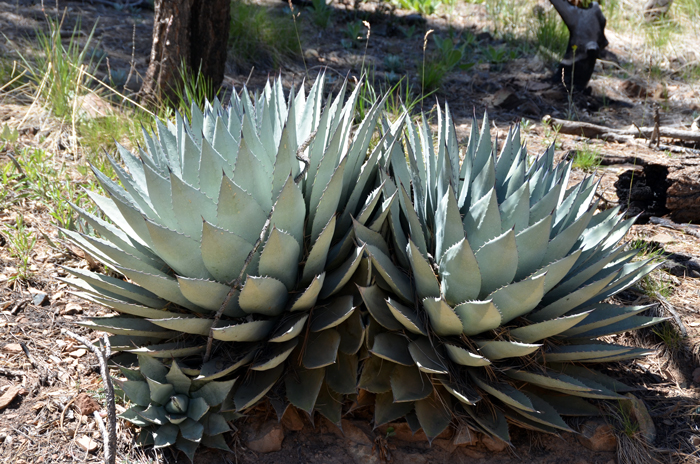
(687, 228)
(594, 131)
(109, 435)
(668, 307)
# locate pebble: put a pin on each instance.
(292, 420)
(638, 411)
(596, 435)
(267, 439)
(40, 299)
(495, 445)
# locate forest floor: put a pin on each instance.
(48, 382)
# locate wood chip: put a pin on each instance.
(78, 353)
(14, 348)
(72, 308)
(87, 443)
(9, 395)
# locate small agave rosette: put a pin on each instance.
(490, 287)
(173, 409)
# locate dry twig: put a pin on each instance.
(109, 435)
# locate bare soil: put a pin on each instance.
(43, 423)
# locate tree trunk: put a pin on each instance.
(193, 33)
(586, 42)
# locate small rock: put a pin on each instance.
(14, 348)
(40, 299)
(695, 441)
(596, 435)
(696, 376)
(9, 395)
(465, 437)
(353, 433)
(292, 420)
(87, 443)
(638, 412)
(495, 445)
(86, 404)
(267, 439)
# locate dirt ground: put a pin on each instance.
(47, 421)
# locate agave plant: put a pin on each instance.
(232, 231)
(488, 295)
(173, 409)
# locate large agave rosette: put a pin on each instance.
(231, 230)
(490, 286)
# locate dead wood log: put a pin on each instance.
(594, 131)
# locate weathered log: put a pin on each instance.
(594, 131)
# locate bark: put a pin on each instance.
(210, 25)
(190, 32)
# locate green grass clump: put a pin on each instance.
(21, 243)
(261, 37)
(587, 158)
(98, 134)
(48, 181)
(669, 335)
(321, 13)
(424, 7)
(551, 35)
(57, 70)
(354, 35)
(447, 57)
